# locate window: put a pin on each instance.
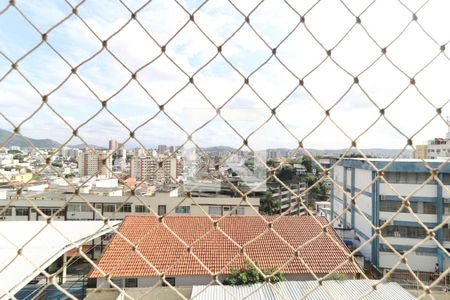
(125, 208)
(240, 211)
(183, 209)
(7, 212)
(394, 206)
(390, 206)
(52, 211)
(446, 179)
(73, 208)
(109, 207)
(405, 231)
(85, 208)
(446, 207)
(162, 210)
(429, 208)
(117, 281)
(406, 178)
(170, 280)
(215, 210)
(131, 282)
(141, 209)
(46, 211)
(21, 211)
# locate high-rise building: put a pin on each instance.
(421, 152)
(92, 162)
(162, 149)
(155, 171)
(67, 152)
(113, 145)
(139, 152)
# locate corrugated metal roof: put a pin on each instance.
(41, 245)
(310, 290)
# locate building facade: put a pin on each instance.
(435, 148)
(92, 163)
(153, 170)
(378, 203)
(421, 152)
(68, 207)
(113, 145)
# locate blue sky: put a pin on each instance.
(138, 103)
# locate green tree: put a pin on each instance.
(15, 152)
(307, 162)
(250, 275)
(286, 174)
(339, 276)
(57, 164)
(19, 156)
(269, 204)
(318, 192)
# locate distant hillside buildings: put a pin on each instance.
(435, 148)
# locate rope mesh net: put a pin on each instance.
(250, 72)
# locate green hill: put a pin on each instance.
(20, 141)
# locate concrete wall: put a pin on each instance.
(407, 217)
(424, 263)
(429, 190)
(188, 280)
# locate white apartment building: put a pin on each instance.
(378, 203)
(438, 147)
(70, 207)
(155, 170)
(68, 152)
(90, 163)
(435, 148)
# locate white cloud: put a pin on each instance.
(328, 21)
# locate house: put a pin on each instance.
(189, 250)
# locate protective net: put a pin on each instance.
(247, 92)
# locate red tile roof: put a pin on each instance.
(216, 251)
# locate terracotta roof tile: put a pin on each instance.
(216, 251)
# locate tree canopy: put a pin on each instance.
(250, 275)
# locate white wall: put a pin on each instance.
(409, 242)
(427, 218)
(424, 263)
(429, 190)
(363, 178)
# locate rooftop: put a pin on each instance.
(218, 248)
(330, 289)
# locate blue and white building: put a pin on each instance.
(378, 202)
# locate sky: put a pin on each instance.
(413, 50)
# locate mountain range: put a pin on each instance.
(19, 141)
(49, 143)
